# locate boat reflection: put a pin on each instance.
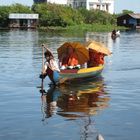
(78, 103)
(75, 100)
(87, 99)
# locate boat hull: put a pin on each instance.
(72, 74)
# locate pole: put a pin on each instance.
(42, 58)
(42, 81)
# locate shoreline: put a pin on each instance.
(74, 28)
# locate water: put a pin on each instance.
(108, 105)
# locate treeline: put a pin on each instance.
(58, 15)
(6, 10)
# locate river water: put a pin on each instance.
(109, 105)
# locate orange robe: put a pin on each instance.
(95, 58)
(73, 60)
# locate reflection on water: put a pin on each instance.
(77, 102)
(49, 101)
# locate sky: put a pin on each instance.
(133, 5)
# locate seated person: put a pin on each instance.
(96, 58)
(63, 61)
(69, 60)
(100, 58)
(73, 60)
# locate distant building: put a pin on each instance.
(129, 20)
(51, 1)
(18, 20)
(58, 1)
(105, 5)
(77, 3)
(39, 1)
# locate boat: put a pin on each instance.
(81, 53)
(76, 74)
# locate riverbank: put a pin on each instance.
(77, 28)
(83, 27)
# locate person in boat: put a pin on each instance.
(113, 34)
(50, 66)
(73, 60)
(96, 58)
(63, 61)
(69, 60)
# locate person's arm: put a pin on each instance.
(53, 65)
(44, 73)
(44, 68)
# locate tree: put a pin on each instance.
(97, 16)
(57, 15)
(15, 8)
(19, 8)
(127, 12)
(4, 13)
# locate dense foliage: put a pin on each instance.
(4, 13)
(58, 15)
(97, 16)
(6, 10)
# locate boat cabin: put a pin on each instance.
(129, 20)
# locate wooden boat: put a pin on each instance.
(80, 53)
(75, 74)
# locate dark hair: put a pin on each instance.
(47, 53)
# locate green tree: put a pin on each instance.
(4, 13)
(19, 8)
(97, 16)
(57, 15)
(15, 8)
(127, 12)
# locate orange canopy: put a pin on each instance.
(99, 47)
(75, 49)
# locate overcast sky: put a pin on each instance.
(120, 5)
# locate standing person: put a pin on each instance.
(50, 67)
(113, 34)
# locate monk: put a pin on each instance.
(70, 59)
(96, 58)
(73, 60)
